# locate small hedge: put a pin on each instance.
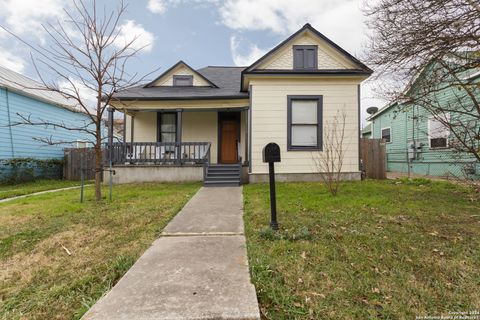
(28, 169)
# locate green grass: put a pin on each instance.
(39, 280)
(379, 250)
(13, 190)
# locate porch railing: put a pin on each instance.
(207, 162)
(159, 153)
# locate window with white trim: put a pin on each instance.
(386, 134)
(438, 132)
(183, 80)
(304, 123)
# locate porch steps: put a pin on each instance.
(220, 175)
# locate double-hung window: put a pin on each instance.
(305, 57)
(438, 132)
(166, 127)
(304, 131)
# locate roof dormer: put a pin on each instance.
(181, 75)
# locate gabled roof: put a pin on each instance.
(179, 63)
(21, 84)
(466, 75)
(227, 82)
(225, 79)
(382, 110)
(355, 61)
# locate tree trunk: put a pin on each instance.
(98, 164)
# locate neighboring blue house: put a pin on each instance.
(419, 143)
(22, 157)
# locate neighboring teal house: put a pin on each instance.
(418, 143)
(22, 157)
(367, 131)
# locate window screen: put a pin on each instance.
(305, 57)
(183, 80)
(386, 135)
(437, 133)
(304, 123)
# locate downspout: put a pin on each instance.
(9, 123)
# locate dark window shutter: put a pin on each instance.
(305, 57)
(298, 58)
(309, 56)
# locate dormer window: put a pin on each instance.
(183, 81)
(305, 57)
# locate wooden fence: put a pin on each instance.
(372, 152)
(75, 160)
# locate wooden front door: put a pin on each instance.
(228, 140)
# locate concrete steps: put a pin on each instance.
(221, 175)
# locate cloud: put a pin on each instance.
(131, 30)
(244, 59)
(285, 17)
(161, 6)
(11, 61)
(157, 6)
(26, 16)
(87, 94)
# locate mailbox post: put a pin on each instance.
(271, 154)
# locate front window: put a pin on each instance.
(438, 132)
(183, 81)
(304, 122)
(386, 134)
(167, 127)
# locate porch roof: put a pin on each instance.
(227, 80)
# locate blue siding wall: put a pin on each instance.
(24, 144)
(5, 141)
(19, 141)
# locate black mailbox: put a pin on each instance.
(271, 152)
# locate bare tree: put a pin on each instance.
(84, 52)
(329, 161)
(430, 48)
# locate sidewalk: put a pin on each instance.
(40, 192)
(197, 270)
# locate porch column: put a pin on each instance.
(246, 137)
(124, 133)
(132, 121)
(110, 111)
(179, 136)
(129, 148)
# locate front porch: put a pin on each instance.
(180, 145)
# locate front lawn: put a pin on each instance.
(380, 249)
(58, 256)
(13, 190)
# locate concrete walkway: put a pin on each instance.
(197, 270)
(41, 192)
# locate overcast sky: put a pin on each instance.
(202, 33)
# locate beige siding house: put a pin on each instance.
(211, 124)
